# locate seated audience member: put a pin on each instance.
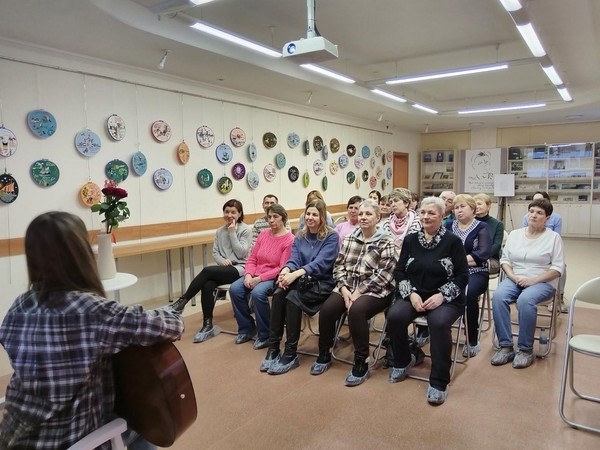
(402, 221)
(314, 195)
(495, 227)
(448, 197)
(532, 261)
(414, 203)
(60, 336)
(346, 227)
(303, 285)
(230, 251)
(375, 195)
(475, 236)
(432, 274)
(363, 273)
(385, 207)
(268, 255)
(261, 223)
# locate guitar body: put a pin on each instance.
(154, 392)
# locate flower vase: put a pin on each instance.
(106, 260)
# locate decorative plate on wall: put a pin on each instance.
(116, 170)
(237, 137)
(334, 145)
(351, 150)
(269, 140)
(305, 179)
(205, 136)
(350, 177)
(253, 179)
(293, 174)
(205, 178)
(343, 161)
(9, 188)
(378, 151)
(116, 127)
(333, 167)
(390, 156)
(8, 142)
(383, 184)
(90, 194)
(306, 146)
(372, 162)
(318, 143)
(324, 153)
(357, 183)
(163, 179)
(161, 131)
(224, 153)
(389, 173)
(183, 153)
(359, 162)
(372, 181)
(139, 163)
(324, 183)
(318, 167)
(280, 160)
(252, 152)
(365, 175)
(238, 171)
(366, 151)
(293, 140)
(87, 143)
(224, 185)
(269, 172)
(41, 123)
(44, 172)
(379, 173)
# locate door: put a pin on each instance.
(400, 170)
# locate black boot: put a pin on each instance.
(206, 332)
(270, 358)
(359, 373)
(322, 363)
(178, 305)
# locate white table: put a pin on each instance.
(120, 281)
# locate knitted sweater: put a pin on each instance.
(234, 246)
(269, 255)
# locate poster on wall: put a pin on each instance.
(480, 167)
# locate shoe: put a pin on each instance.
(564, 309)
(359, 373)
(266, 363)
(178, 305)
(523, 359)
(472, 349)
(259, 344)
(284, 364)
(503, 356)
(435, 396)
(422, 338)
(400, 373)
(206, 332)
(321, 365)
(244, 337)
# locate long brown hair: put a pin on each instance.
(324, 229)
(59, 256)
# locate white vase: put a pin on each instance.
(106, 260)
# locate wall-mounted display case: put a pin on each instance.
(438, 172)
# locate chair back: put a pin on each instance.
(588, 292)
(111, 432)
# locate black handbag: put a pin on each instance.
(307, 283)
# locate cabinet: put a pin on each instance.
(438, 172)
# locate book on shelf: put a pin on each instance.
(426, 157)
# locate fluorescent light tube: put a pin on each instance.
(553, 75)
(424, 108)
(328, 73)
(388, 95)
(531, 39)
(511, 5)
(564, 93)
(200, 2)
(501, 108)
(235, 39)
(448, 73)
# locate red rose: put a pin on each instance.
(115, 192)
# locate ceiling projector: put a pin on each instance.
(310, 50)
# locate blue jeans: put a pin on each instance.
(241, 308)
(134, 441)
(527, 300)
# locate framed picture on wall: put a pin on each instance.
(426, 157)
(439, 157)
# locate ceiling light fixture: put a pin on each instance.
(380, 118)
(225, 35)
(502, 108)
(388, 95)
(328, 73)
(511, 5)
(174, 6)
(309, 99)
(553, 75)
(163, 60)
(564, 93)
(531, 39)
(424, 108)
(448, 73)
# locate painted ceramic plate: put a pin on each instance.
(306, 147)
(87, 143)
(359, 162)
(205, 178)
(324, 183)
(293, 174)
(8, 142)
(378, 151)
(90, 194)
(237, 137)
(163, 179)
(318, 167)
(44, 172)
(365, 175)
(389, 173)
(334, 145)
(383, 160)
(280, 160)
(384, 184)
(252, 152)
(357, 183)
(343, 161)
(183, 153)
(9, 188)
(293, 140)
(269, 140)
(253, 179)
(269, 172)
(224, 153)
(116, 170)
(379, 173)
(333, 167)
(224, 185)
(305, 179)
(238, 171)
(325, 153)
(205, 136)
(350, 177)
(365, 152)
(351, 150)
(372, 162)
(41, 123)
(116, 127)
(372, 181)
(318, 143)
(139, 163)
(161, 131)
(390, 156)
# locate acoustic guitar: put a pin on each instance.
(154, 392)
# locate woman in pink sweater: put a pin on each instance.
(269, 254)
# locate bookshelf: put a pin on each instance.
(438, 171)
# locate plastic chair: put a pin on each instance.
(111, 432)
(585, 345)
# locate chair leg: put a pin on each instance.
(306, 324)
(336, 340)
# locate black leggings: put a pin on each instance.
(478, 284)
(207, 280)
(284, 313)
